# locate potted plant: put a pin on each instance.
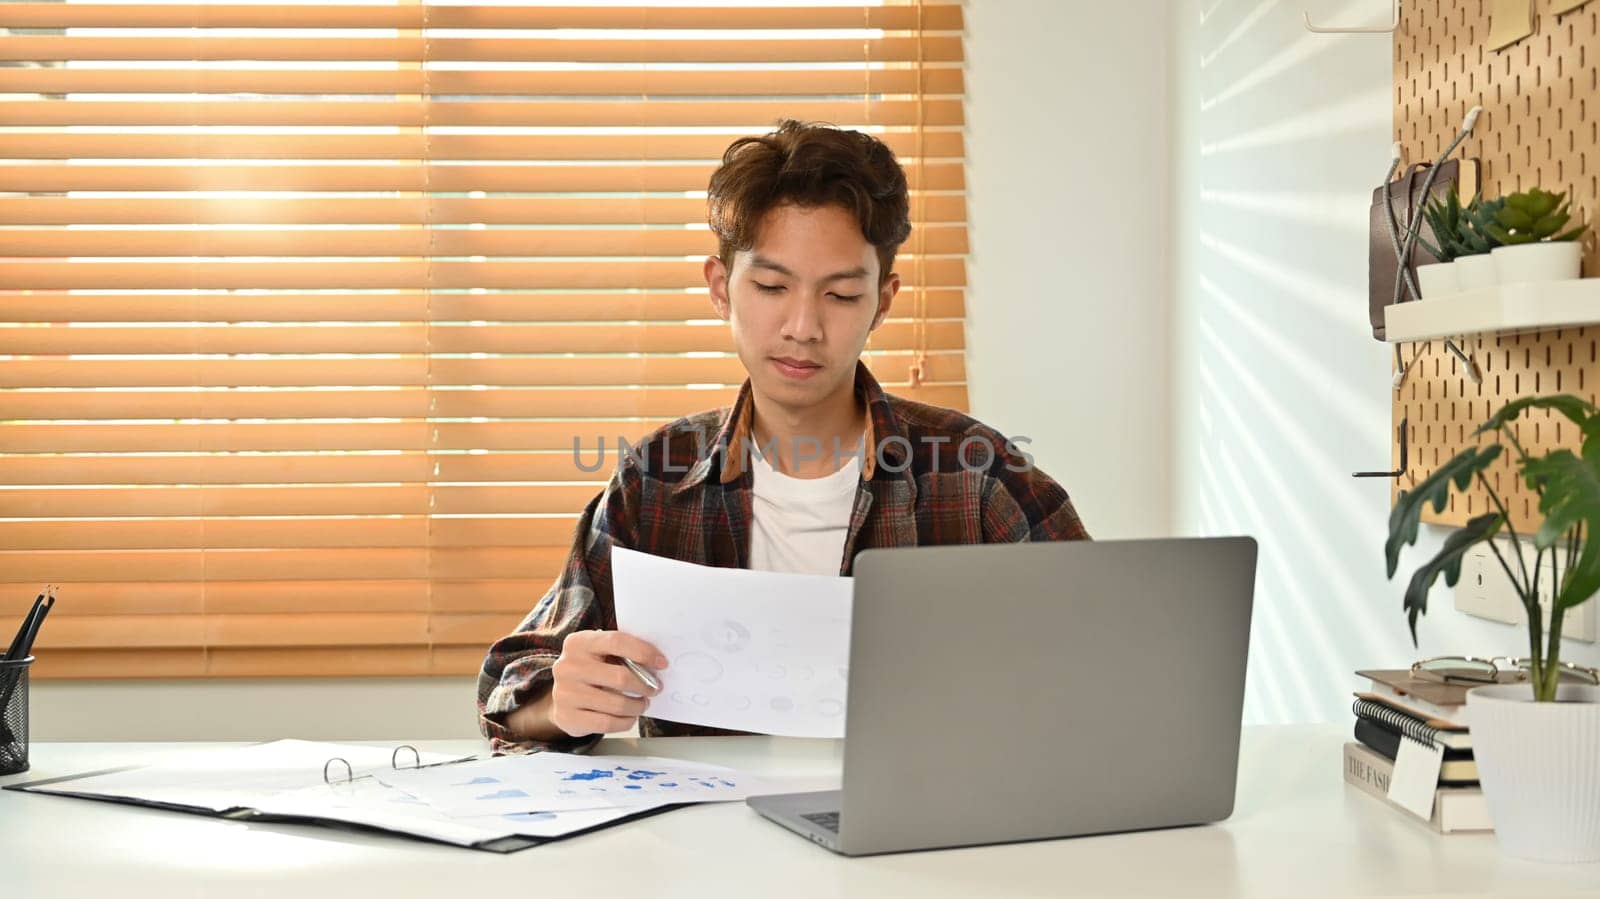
(1463, 246)
(1478, 269)
(1532, 245)
(1537, 742)
(1446, 220)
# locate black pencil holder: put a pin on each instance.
(14, 716)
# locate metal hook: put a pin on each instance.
(349, 772)
(1366, 29)
(394, 757)
(1403, 464)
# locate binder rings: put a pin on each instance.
(274, 792)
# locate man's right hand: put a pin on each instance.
(587, 696)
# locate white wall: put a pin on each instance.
(1279, 390)
(1067, 194)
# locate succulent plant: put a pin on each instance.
(1459, 229)
(1530, 216)
(1481, 217)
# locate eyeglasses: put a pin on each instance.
(1496, 670)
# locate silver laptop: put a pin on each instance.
(1026, 691)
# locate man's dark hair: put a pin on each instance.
(810, 165)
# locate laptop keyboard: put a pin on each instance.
(824, 820)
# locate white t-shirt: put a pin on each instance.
(799, 524)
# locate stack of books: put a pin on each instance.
(1396, 708)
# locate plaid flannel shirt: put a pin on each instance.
(681, 495)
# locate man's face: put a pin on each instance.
(802, 302)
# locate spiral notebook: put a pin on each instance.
(330, 784)
(1407, 721)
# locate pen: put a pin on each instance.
(21, 643)
(27, 623)
(643, 675)
(38, 622)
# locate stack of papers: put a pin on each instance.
(502, 803)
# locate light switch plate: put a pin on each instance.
(1484, 591)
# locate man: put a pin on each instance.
(811, 464)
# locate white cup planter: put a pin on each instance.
(1437, 280)
(1541, 261)
(1476, 272)
(1539, 763)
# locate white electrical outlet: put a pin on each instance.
(1484, 590)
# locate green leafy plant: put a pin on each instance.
(1568, 487)
(1451, 227)
(1458, 228)
(1481, 215)
(1531, 216)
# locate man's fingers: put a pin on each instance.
(627, 646)
(610, 724)
(618, 677)
(593, 699)
(581, 724)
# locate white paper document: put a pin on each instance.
(371, 802)
(760, 651)
(559, 782)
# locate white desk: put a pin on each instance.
(1297, 831)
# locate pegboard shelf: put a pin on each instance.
(1505, 309)
(1539, 125)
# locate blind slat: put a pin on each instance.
(300, 532)
(224, 563)
(57, 242)
(410, 49)
(289, 436)
(493, 113)
(457, 598)
(400, 175)
(401, 210)
(635, 83)
(412, 402)
(402, 338)
(407, 305)
(448, 146)
(309, 274)
(593, 371)
(280, 499)
(936, 16)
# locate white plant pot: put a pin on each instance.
(1476, 272)
(1539, 763)
(1545, 261)
(1437, 280)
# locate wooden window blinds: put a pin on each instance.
(302, 306)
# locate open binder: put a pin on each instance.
(286, 785)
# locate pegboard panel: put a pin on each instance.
(1540, 126)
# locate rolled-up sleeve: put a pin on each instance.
(517, 668)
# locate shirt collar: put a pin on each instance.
(722, 460)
